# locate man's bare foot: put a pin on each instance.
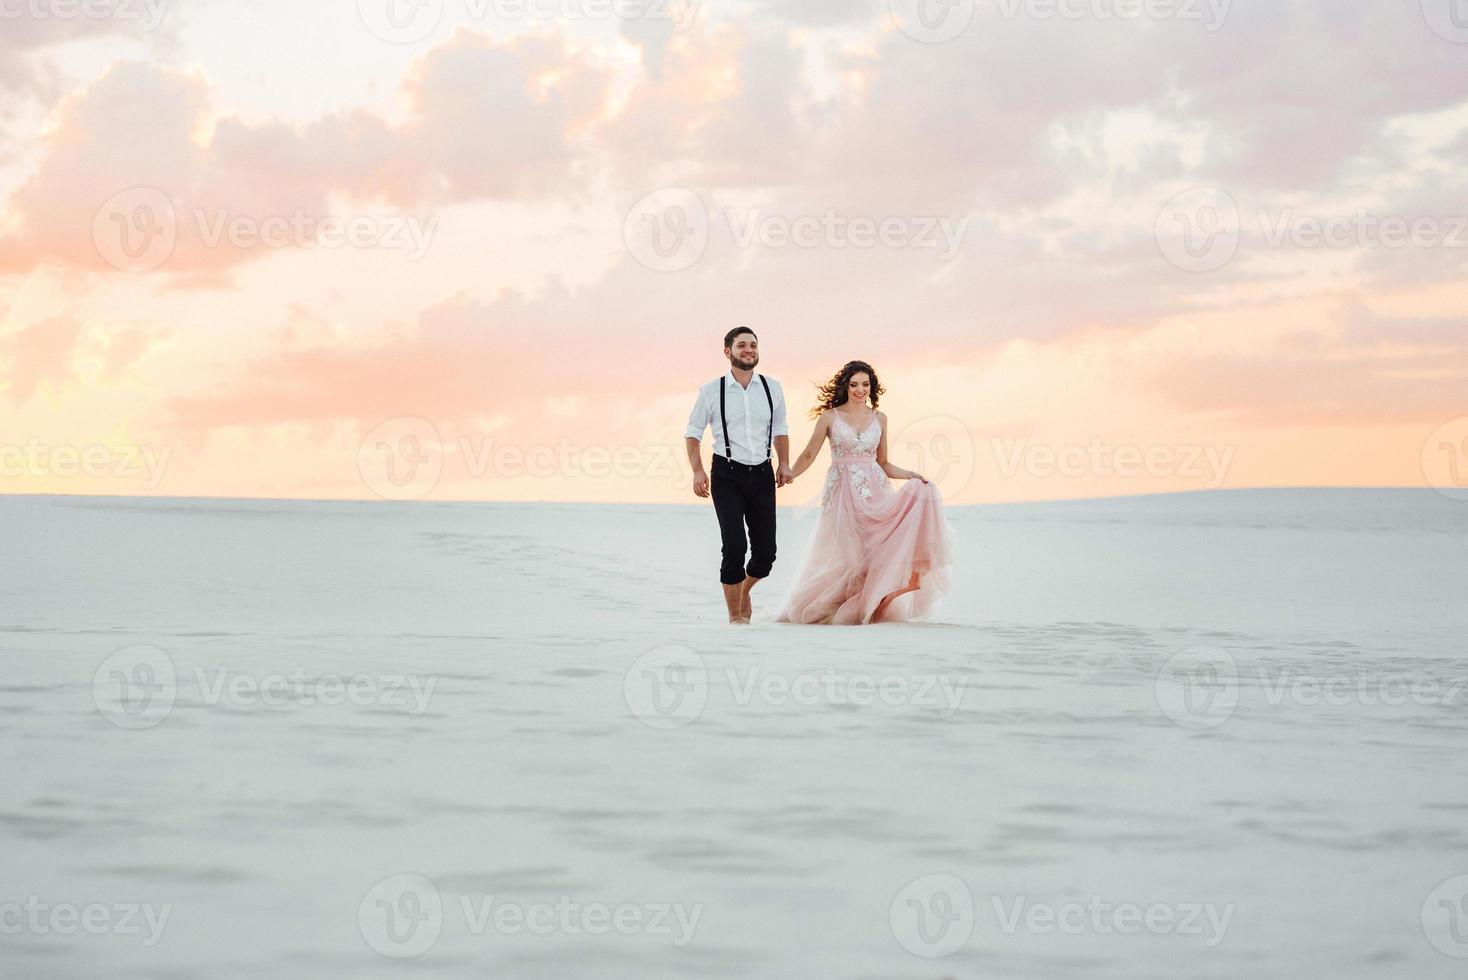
(732, 599)
(746, 605)
(736, 597)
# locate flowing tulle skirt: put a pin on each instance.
(876, 555)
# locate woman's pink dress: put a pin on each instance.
(877, 555)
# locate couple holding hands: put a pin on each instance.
(878, 554)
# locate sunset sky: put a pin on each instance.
(488, 249)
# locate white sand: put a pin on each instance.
(1313, 827)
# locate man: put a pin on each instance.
(747, 412)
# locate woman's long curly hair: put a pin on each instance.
(833, 392)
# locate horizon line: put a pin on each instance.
(655, 503)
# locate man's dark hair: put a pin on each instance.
(732, 334)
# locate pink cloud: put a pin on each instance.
(490, 120)
(40, 353)
(48, 352)
(1361, 369)
(24, 69)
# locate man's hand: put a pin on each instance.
(784, 475)
(700, 484)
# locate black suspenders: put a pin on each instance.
(770, 437)
(724, 417)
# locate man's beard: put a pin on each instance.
(738, 361)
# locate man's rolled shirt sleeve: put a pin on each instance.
(698, 419)
(781, 428)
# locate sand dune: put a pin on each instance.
(1206, 735)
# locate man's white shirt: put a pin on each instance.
(749, 417)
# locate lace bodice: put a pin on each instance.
(861, 474)
(846, 441)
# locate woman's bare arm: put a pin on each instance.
(813, 448)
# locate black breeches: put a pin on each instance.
(744, 495)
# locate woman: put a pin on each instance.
(877, 555)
